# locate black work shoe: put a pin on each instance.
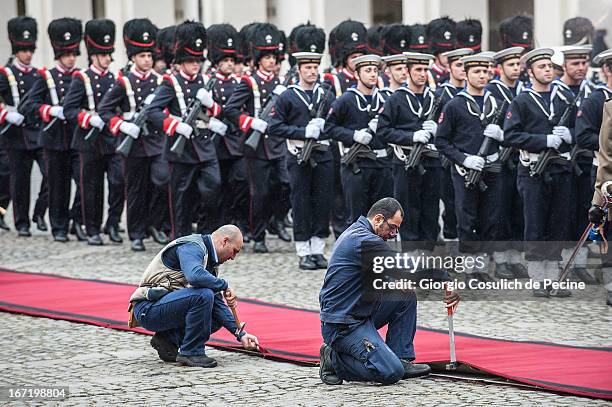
(3, 224)
(138, 245)
(319, 260)
(412, 370)
(23, 231)
(287, 222)
(95, 240)
(519, 270)
(158, 236)
(581, 274)
(541, 293)
(560, 293)
(479, 276)
(77, 229)
(40, 223)
(61, 237)
(503, 271)
(326, 371)
(113, 234)
(282, 233)
(260, 247)
(306, 263)
(166, 350)
(196, 361)
(609, 299)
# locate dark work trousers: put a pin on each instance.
(145, 207)
(363, 189)
(266, 179)
(421, 203)
(59, 170)
(511, 224)
(194, 187)
(311, 193)
(234, 196)
(92, 170)
(20, 162)
(582, 193)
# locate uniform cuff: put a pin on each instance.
(115, 123)
(83, 120)
(44, 112)
(170, 125)
(215, 110)
(3, 113)
(245, 123)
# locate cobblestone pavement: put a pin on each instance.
(105, 367)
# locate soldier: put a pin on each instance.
(266, 165)
(97, 152)
(464, 126)
(45, 99)
(145, 170)
(517, 31)
(441, 34)
(469, 34)
(352, 122)
(294, 120)
(446, 92)
(165, 45)
(403, 124)
(347, 41)
(509, 262)
(195, 177)
(418, 38)
(21, 138)
(233, 200)
(395, 41)
(529, 126)
(374, 41)
(573, 87)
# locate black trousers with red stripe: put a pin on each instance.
(234, 196)
(20, 164)
(59, 171)
(146, 181)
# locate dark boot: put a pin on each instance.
(503, 271)
(319, 260)
(412, 370)
(40, 223)
(138, 245)
(260, 247)
(326, 370)
(541, 293)
(61, 237)
(24, 231)
(158, 236)
(581, 274)
(519, 270)
(113, 234)
(196, 361)
(77, 229)
(95, 240)
(306, 263)
(166, 350)
(3, 224)
(609, 299)
(281, 232)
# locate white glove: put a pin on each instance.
(553, 141)
(217, 126)
(259, 125)
(130, 129)
(494, 131)
(421, 136)
(362, 136)
(96, 122)
(184, 130)
(205, 97)
(473, 162)
(279, 89)
(57, 111)
(430, 126)
(564, 133)
(319, 122)
(14, 118)
(312, 131)
(373, 124)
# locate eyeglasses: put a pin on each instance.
(392, 228)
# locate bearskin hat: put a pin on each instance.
(373, 44)
(165, 44)
(578, 31)
(306, 38)
(190, 42)
(263, 39)
(100, 36)
(139, 35)
(222, 42)
(22, 32)
(441, 34)
(419, 42)
(65, 35)
(346, 38)
(395, 39)
(516, 31)
(469, 34)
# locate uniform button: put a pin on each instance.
(138, 90)
(263, 91)
(139, 98)
(266, 136)
(20, 74)
(99, 94)
(62, 89)
(222, 90)
(222, 97)
(112, 84)
(137, 80)
(61, 82)
(188, 90)
(96, 77)
(21, 82)
(152, 89)
(60, 75)
(199, 82)
(97, 85)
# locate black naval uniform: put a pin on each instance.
(195, 178)
(96, 157)
(266, 166)
(403, 114)
(23, 147)
(341, 81)
(234, 197)
(460, 133)
(311, 187)
(447, 92)
(353, 111)
(528, 122)
(511, 223)
(145, 171)
(588, 122)
(62, 163)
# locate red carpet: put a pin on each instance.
(293, 334)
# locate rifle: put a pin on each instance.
(415, 158)
(358, 150)
(551, 155)
(189, 117)
(253, 140)
(93, 134)
(316, 112)
(473, 178)
(504, 157)
(574, 154)
(140, 120)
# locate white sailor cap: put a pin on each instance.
(396, 59)
(603, 57)
(307, 57)
(483, 59)
(458, 53)
(536, 55)
(367, 60)
(508, 53)
(577, 52)
(418, 58)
